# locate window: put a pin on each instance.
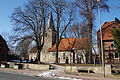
(64, 56)
(53, 54)
(116, 55)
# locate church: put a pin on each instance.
(70, 50)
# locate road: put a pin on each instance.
(13, 76)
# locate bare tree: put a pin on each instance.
(87, 10)
(23, 47)
(63, 16)
(30, 23)
(78, 30)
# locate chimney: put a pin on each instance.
(117, 20)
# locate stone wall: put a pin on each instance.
(99, 70)
(30, 66)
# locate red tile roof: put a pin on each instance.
(67, 44)
(106, 30)
(81, 43)
(106, 24)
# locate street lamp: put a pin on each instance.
(99, 15)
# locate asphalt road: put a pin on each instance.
(14, 76)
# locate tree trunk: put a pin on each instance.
(57, 36)
(39, 48)
(39, 51)
(57, 45)
(90, 60)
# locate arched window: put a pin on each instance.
(64, 55)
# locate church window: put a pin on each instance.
(53, 54)
(64, 55)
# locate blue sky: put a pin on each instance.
(113, 13)
(7, 7)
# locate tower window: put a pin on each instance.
(45, 34)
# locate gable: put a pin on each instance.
(3, 44)
(107, 30)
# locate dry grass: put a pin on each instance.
(79, 64)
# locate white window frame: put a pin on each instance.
(115, 57)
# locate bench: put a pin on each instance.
(115, 68)
(88, 70)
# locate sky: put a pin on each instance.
(7, 8)
(114, 12)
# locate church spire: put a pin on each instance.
(51, 22)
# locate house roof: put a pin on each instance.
(106, 30)
(107, 24)
(67, 44)
(3, 41)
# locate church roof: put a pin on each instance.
(51, 22)
(68, 44)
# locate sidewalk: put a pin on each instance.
(58, 72)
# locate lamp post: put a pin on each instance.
(99, 15)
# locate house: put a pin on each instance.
(3, 50)
(70, 49)
(33, 53)
(109, 51)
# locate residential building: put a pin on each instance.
(3, 50)
(110, 54)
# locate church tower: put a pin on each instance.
(50, 31)
(50, 39)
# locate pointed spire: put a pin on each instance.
(51, 22)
